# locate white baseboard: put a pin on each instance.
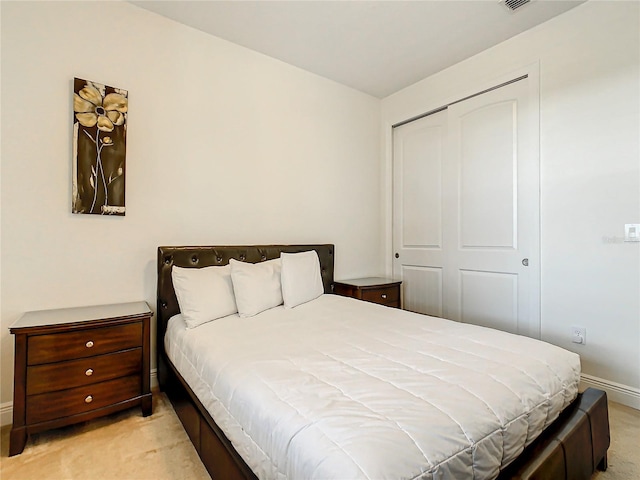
(616, 392)
(6, 414)
(6, 409)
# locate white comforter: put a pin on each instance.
(339, 388)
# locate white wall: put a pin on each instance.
(590, 175)
(224, 146)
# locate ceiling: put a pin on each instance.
(377, 47)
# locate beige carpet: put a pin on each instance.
(127, 446)
(624, 452)
(122, 446)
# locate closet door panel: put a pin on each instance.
(423, 289)
(488, 173)
(419, 152)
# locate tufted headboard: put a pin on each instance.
(198, 257)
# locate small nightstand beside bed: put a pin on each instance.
(371, 289)
(76, 364)
(326, 386)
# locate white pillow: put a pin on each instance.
(256, 285)
(301, 278)
(203, 294)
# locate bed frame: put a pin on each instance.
(573, 447)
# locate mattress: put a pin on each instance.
(340, 388)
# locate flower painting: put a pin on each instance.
(99, 148)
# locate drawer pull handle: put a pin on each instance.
(89, 372)
(384, 295)
(89, 344)
(89, 399)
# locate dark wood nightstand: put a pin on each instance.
(384, 291)
(76, 364)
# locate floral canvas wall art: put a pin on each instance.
(99, 148)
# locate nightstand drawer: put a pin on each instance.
(83, 343)
(60, 376)
(49, 406)
(384, 291)
(388, 295)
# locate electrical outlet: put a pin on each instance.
(579, 335)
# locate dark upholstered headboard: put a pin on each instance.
(198, 257)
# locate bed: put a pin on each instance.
(342, 334)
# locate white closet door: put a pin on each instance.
(483, 229)
(494, 178)
(418, 156)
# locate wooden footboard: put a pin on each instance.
(573, 447)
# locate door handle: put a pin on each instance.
(397, 255)
(525, 262)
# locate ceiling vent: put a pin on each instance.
(514, 4)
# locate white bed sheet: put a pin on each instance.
(340, 388)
